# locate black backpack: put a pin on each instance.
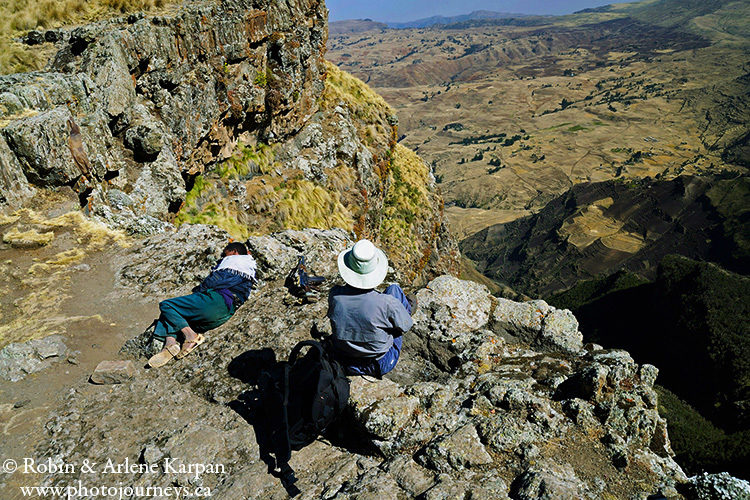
(300, 399)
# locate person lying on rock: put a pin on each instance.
(367, 325)
(210, 305)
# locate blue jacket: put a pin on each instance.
(233, 287)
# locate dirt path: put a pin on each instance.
(79, 301)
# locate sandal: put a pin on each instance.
(164, 356)
(185, 351)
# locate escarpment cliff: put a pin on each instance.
(223, 113)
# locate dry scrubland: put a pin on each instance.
(17, 17)
(512, 116)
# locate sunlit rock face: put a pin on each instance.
(220, 113)
(155, 98)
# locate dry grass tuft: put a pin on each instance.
(408, 205)
(295, 204)
(363, 104)
(306, 204)
(27, 239)
(208, 201)
(361, 100)
(275, 198)
(92, 234)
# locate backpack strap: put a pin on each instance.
(312, 343)
(285, 449)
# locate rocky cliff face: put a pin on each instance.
(471, 409)
(218, 112)
(159, 97)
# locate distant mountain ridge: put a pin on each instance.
(477, 14)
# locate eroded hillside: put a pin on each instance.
(597, 229)
(514, 113)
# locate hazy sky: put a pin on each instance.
(409, 10)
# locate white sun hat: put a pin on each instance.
(363, 265)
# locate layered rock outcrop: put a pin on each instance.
(159, 97)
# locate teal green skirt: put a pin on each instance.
(201, 311)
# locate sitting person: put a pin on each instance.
(367, 325)
(210, 305)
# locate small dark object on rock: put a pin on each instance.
(52, 36)
(22, 403)
(33, 38)
(303, 285)
(113, 372)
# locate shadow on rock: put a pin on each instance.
(248, 366)
(140, 346)
(264, 407)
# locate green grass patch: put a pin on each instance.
(261, 79)
(247, 160)
(205, 204)
(577, 128)
(557, 126)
